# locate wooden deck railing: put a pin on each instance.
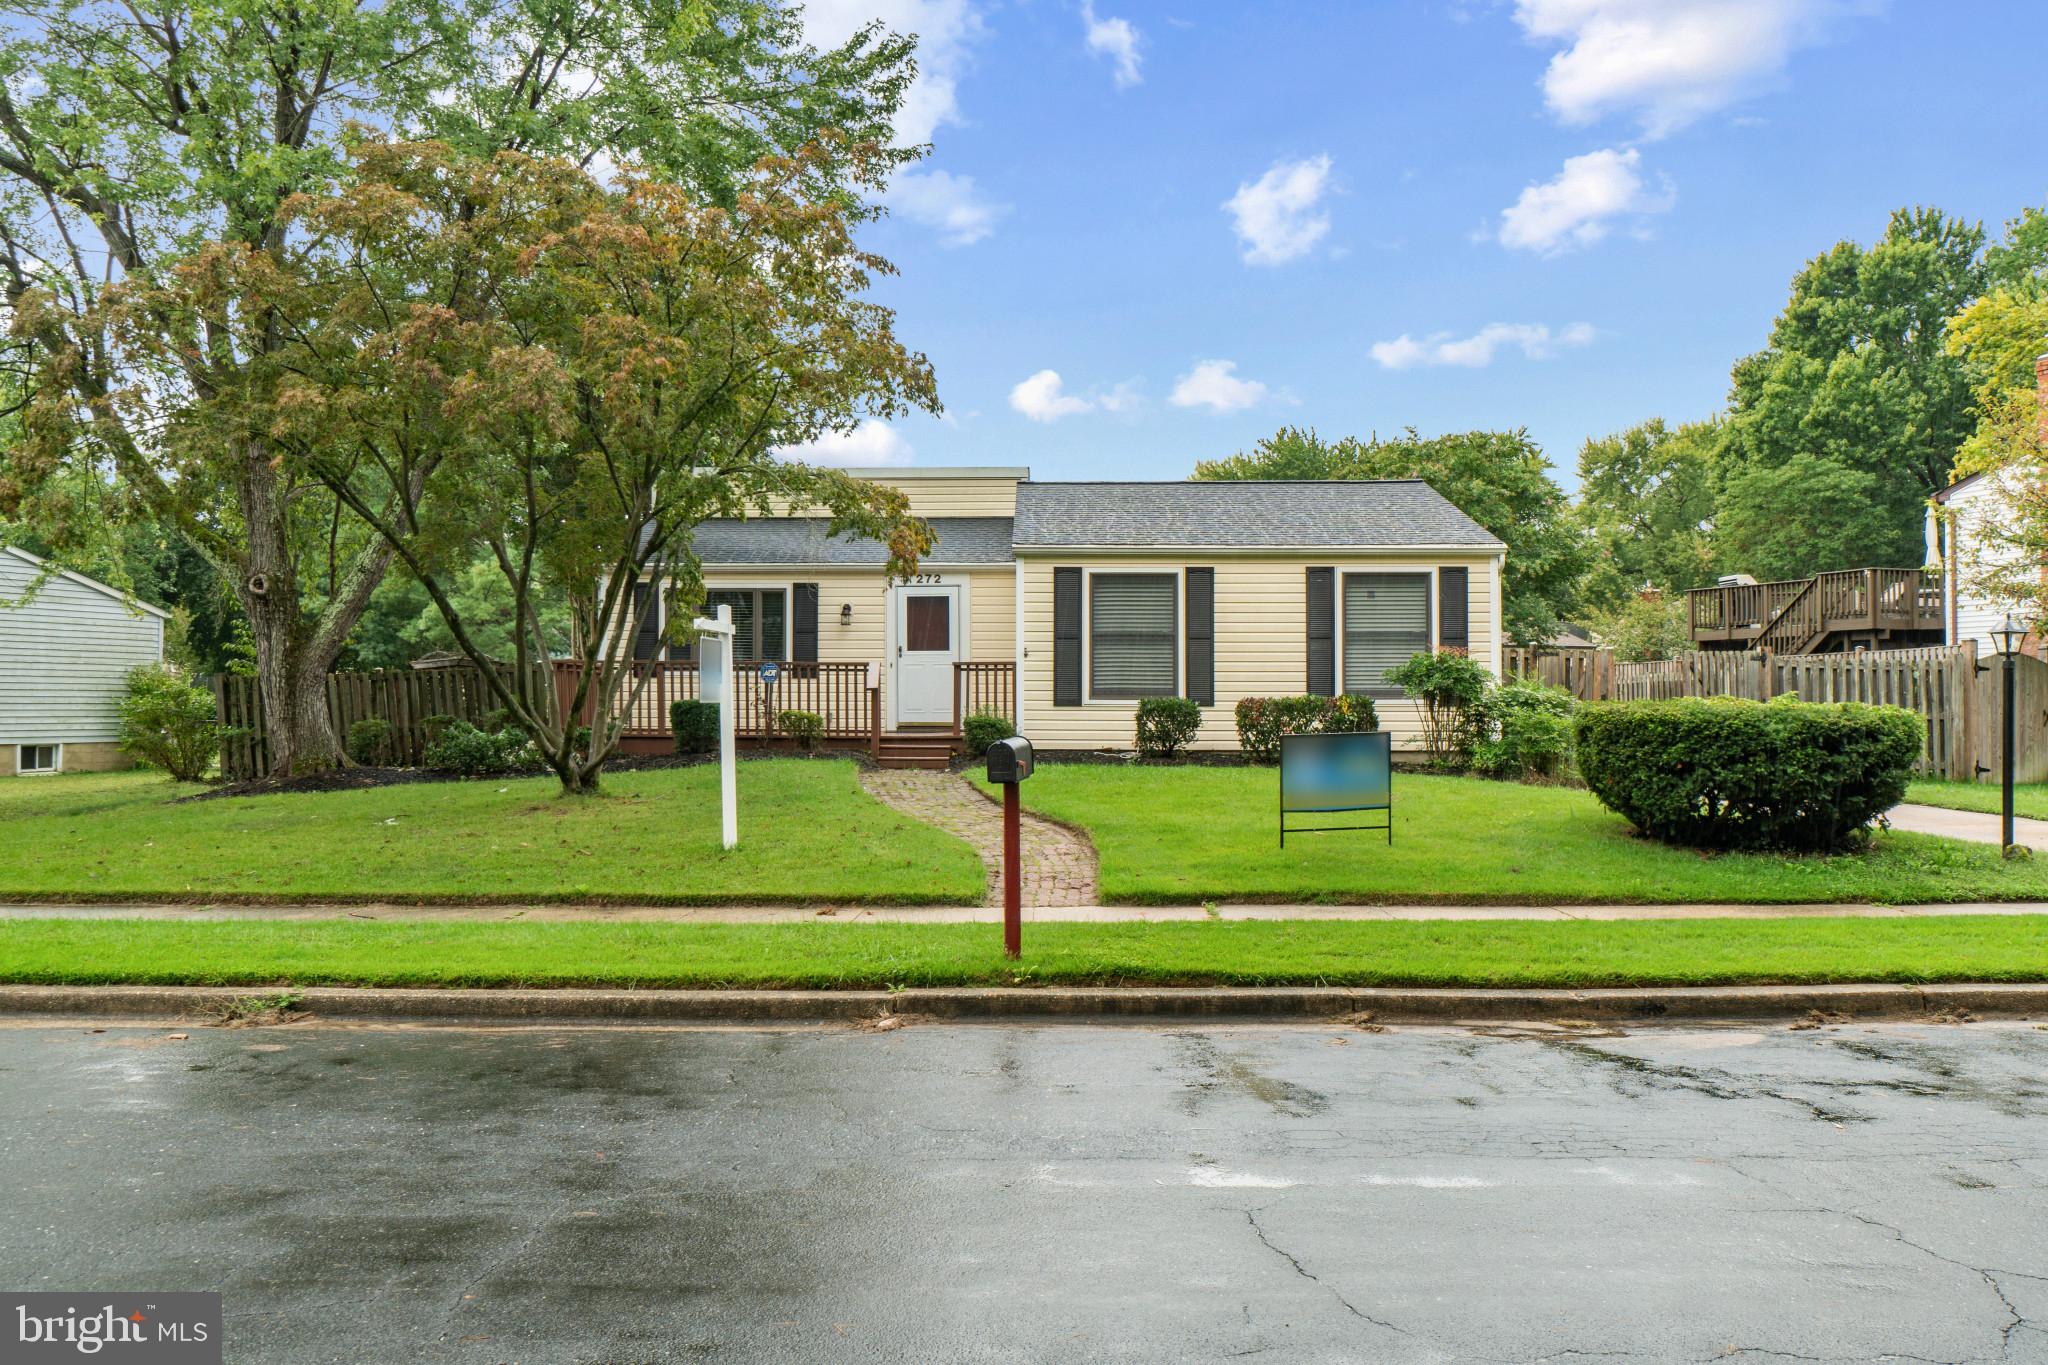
(984, 686)
(1794, 614)
(847, 695)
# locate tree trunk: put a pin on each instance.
(293, 654)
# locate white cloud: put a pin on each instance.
(1043, 398)
(871, 443)
(1213, 384)
(1534, 340)
(945, 30)
(1668, 62)
(949, 203)
(1116, 39)
(1276, 215)
(1574, 209)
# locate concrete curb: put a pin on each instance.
(1051, 1004)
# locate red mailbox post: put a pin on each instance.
(1010, 762)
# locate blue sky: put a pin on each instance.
(1207, 220)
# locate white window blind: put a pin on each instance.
(1386, 623)
(758, 617)
(1131, 634)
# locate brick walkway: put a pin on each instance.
(1059, 865)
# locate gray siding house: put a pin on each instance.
(64, 654)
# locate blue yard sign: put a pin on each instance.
(1333, 775)
(769, 673)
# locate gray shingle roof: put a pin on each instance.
(1228, 515)
(802, 540)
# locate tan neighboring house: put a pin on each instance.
(65, 653)
(1063, 604)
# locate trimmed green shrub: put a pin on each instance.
(1523, 730)
(1448, 683)
(984, 728)
(805, 727)
(1261, 721)
(1726, 774)
(1166, 725)
(167, 723)
(369, 741)
(695, 724)
(463, 748)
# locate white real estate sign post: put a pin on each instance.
(716, 683)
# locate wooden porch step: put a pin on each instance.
(917, 749)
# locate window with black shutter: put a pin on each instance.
(1133, 621)
(1386, 623)
(760, 621)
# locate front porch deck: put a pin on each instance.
(849, 696)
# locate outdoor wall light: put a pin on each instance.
(846, 613)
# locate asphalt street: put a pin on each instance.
(1059, 1193)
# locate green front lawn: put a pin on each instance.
(1182, 835)
(2028, 799)
(807, 833)
(1435, 953)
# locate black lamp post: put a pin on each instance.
(2006, 638)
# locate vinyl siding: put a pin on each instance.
(63, 658)
(1982, 503)
(964, 496)
(1261, 642)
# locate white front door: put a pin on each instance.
(927, 624)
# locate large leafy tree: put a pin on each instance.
(1646, 504)
(1856, 377)
(1498, 478)
(133, 135)
(1805, 516)
(511, 360)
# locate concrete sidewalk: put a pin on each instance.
(1978, 827)
(986, 914)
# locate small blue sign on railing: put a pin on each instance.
(769, 672)
(1336, 774)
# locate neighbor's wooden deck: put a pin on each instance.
(1827, 611)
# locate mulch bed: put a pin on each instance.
(357, 777)
(1128, 758)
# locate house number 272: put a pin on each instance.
(917, 579)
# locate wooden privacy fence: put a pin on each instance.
(1587, 674)
(1958, 696)
(405, 697)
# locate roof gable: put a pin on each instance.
(125, 599)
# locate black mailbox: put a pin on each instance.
(1009, 760)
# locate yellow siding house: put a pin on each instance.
(1064, 604)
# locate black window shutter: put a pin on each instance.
(1454, 608)
(803, 626)
(1201, 669)
(1322, 632)
(1066, 637)
(646, 622)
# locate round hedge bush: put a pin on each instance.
(1725, 774)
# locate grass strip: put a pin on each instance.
(845, 956)
(2028, 799)
(1180, 836)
